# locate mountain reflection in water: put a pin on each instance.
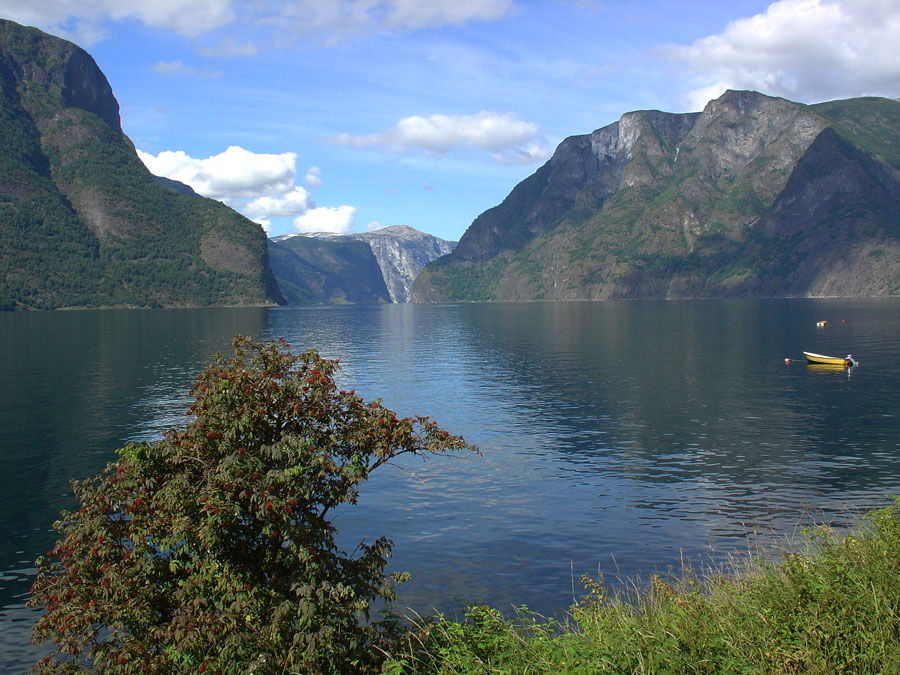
(619, 436)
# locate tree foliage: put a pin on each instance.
(212, 549)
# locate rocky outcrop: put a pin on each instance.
(52, 74)
(82, 221)
(582, 173)
(755, 196)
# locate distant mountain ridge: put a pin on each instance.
(401, 251)
(82, 221)
(755, 196)
(312, 271)
(326, 274)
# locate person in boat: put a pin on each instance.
(851, 360)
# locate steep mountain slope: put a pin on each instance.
(313, 271)
(755, 196)
(401, 251)
(82, 221)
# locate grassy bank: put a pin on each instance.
(833, 607)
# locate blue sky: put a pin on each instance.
(348, 115)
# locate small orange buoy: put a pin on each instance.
(843, 320)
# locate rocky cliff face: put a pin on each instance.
(82, 222)
(401, 251)
(47, 74)
(755, 196)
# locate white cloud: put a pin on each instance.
(326, 219)
(292, 204)
(530, 153)
(504, 135)
(82, 18)
(331, 21)
(806, 50)
(84, 33)
(261, 186)
(179, 68)
(326, 21)
(231, 175)
(229, 48)
(313, 177)
(415, 14)
(374, 225)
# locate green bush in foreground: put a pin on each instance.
(835, 608)
(212, 551)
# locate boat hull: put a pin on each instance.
(826, 360)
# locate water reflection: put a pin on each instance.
(656, 428)
(69, 385)
(618, 434)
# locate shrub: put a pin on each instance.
(211, 550)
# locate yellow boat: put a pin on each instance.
(831, 360)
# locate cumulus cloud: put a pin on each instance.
(289, 205)
(180, 68)
(806, 50)
(508, 138)
(326, 219)
(83, 17)
(313, 177)
(231, 175)
(261, 186)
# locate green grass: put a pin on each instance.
(833, 607)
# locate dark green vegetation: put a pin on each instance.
(82, 221)
(315, 271)
(212, 550)
(753, 197)
(835, 608)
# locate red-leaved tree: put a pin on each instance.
(212, 550)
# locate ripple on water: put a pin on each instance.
(616, 436)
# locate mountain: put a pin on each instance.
(320, 271)
(401, 251)
(754, 196)
(82, 221)
(329, 268)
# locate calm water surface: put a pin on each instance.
(619, 437)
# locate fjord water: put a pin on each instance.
(618, 436)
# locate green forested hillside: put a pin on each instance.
(321, 271)
(82, 221)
